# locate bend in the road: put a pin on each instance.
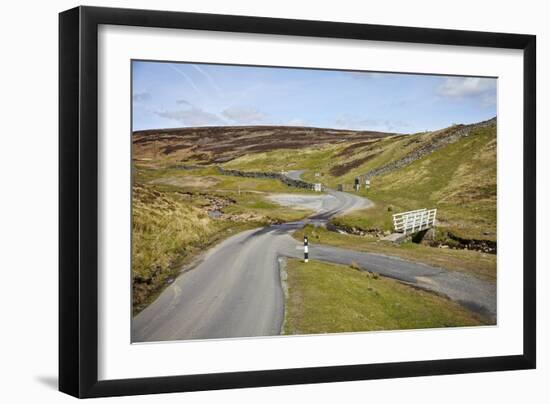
(235, 291)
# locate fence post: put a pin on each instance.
(305, 249)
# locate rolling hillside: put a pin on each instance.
(215, 145)
(179, 190)
(453, 169)
(457, 176)
(459, 179)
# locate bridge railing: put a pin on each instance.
(414, 220)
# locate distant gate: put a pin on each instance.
(414, 220)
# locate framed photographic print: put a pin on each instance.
(251, 201)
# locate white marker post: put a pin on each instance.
(305, 249)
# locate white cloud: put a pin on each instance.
(488, 100)
(141, 97)
(296, 122)
(469, 87)
(243, 115)
(191, 115)
(381, 125)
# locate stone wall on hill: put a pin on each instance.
(447, 137)
(254, 174)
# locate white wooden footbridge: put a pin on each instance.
(414, 221)
(411, 222)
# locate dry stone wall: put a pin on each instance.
(448, 138)
(281, 177)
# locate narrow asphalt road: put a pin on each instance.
(235, 289)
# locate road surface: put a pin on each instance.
(235, 288)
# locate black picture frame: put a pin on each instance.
(78, 201)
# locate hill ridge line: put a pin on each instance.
(445, 139)
(261, 127)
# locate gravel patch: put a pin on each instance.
(311, 202)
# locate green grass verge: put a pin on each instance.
(477, 263)
(377, 217)
(329, 298)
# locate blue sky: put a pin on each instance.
(171, 95)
